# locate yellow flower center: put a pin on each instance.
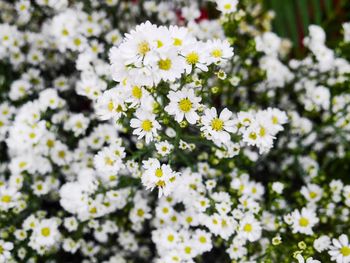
(147, 125)
(140, 212)
(202, 240)
(253, 136)
(164, 64)
(304, 222)
(143, 48)
(1, 250)
(188, 250)
(274, 120)
(262, 132)
(171, 238)
(217, 124)
(45, 231)
(61, 154)
(50, 143)
(227, 6)
(313, 195)
(159, 172)
(137, 92)
(345, 251)
(159, 44)
(65, 32)
(216, 53)
(109, 161)
(248, 228)
(22, 164)
(177, 42)
(77, 42)
(192, 58)
(185, 105)
(110, 106)
(160, 183)
(6, 199)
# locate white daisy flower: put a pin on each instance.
(340, 249)
(183, 104)
(218, 128)
(145, 125)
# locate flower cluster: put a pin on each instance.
(170, 132)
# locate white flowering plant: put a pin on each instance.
(170, 132)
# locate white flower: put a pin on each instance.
(227, 6)
(219, 51)
(5, 248)
(322, 243)
(249, 228)
(164, 148)
(45, 233)
(160, 176)
(218, 128)
(340, 249)
(183, 104)
(301, 259)
(312, 192)
(277, 187)
(145, 125)
(304, 221)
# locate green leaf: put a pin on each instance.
(328, 5)
(316, 8)
(303, 10)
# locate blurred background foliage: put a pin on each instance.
(292, 18)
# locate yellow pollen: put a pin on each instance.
(22, 164)
(202, 240)
(227, 6)
(313, 195)
(159, 172)
(248, 228)
(65, 32)
(6, 199)
(143, 48)
(109, 161)
(171, 238)
(177, 42)
(304, 222)
(217, 124)
(61, 154)
(110, 106)
(262, 132)
(164, 64)
(160, 183)
(45, 231)
(77, 42)
(50, 143)
(140, 212)
(159, 44)
(192, 58)
(137, 92)
(185, 105)
(216, 53)
(188, 250)
(345, 251)
(147, 125)
(253, 136)
(274, 120)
